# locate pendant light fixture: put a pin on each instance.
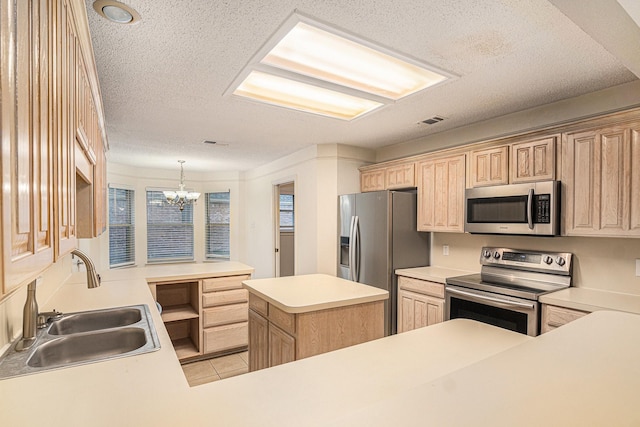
(181, 197)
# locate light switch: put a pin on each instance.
(445, 249)
(638, 267)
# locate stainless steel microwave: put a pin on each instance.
(525, 209)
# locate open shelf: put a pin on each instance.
(179, 312)
(185, 348)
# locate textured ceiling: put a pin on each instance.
(163, 79)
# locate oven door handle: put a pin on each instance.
(486, 298)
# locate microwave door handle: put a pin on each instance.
(486, 298)
(530, 209)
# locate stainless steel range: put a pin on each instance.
(506, 291)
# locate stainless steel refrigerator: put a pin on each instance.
(377, 235)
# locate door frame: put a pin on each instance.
(276, 222)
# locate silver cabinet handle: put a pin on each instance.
(486, 298)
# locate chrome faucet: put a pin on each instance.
(32, 319)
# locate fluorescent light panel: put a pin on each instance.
(313, 52)
(325, 62)
(303, 97)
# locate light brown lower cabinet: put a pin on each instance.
(277, 337)
(205, 316)
(553, 317)
(420, 303)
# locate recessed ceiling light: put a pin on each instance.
(116, 12)
(308, 52)
(301, 96)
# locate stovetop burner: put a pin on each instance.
(519, 273)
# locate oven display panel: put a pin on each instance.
(522, 257)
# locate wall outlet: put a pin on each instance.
(638, 267)
(445, 249)
(38, 281)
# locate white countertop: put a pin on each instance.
(313, 292)
(593, 300)
(455, 373)
(431, 273)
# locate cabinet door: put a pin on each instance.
(258, 342)
(64, 65)
(27, 164)
(417, 311)
(282, 346)
(402, 176)
(441, 184)
(489, 166)
(533, 160)
(553, 317)
(602, 182)
(372, 180)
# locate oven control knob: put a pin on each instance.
(560, 261)
(486, 253)
(496, 255)
(547, 259)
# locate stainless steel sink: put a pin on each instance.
(82, 347)
(85, 337)
(95, 320)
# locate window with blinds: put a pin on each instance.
(169, 230)
(286, 212)
(121, 227)
(217, 226)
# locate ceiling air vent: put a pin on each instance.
(433, 120)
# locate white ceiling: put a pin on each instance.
(163, 79)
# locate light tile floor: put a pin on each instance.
(206, 371)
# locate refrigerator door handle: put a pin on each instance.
(352, 249)
(356, 232)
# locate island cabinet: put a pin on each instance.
(206, 316)
(601, 179)
(553, 317)
(441, 185)
(420, 303)
(322, 318)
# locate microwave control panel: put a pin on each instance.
(542, 209)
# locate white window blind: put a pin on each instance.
(169, 230)
(121, 227)
(217, 227)
(286, 212)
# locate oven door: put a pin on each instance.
(507, 312)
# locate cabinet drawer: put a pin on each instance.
(234, 296)
(421, 286)
(553, 317)
(226, 337)
(225, 314)
(286, 321)
(258, 305)
(223, 283)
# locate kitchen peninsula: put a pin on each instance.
(454, 373)
(294, 317)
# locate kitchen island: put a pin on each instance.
(294, 317)
(454, 373)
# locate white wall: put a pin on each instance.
(319, 173)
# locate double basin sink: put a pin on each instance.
(85, 337)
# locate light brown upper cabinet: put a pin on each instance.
(533, 160)
(388, 178)
(27, 142)
(41, 48)
(400, 176)
(441, 185)
(372, 180)
(489, 166)
(601, 176)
